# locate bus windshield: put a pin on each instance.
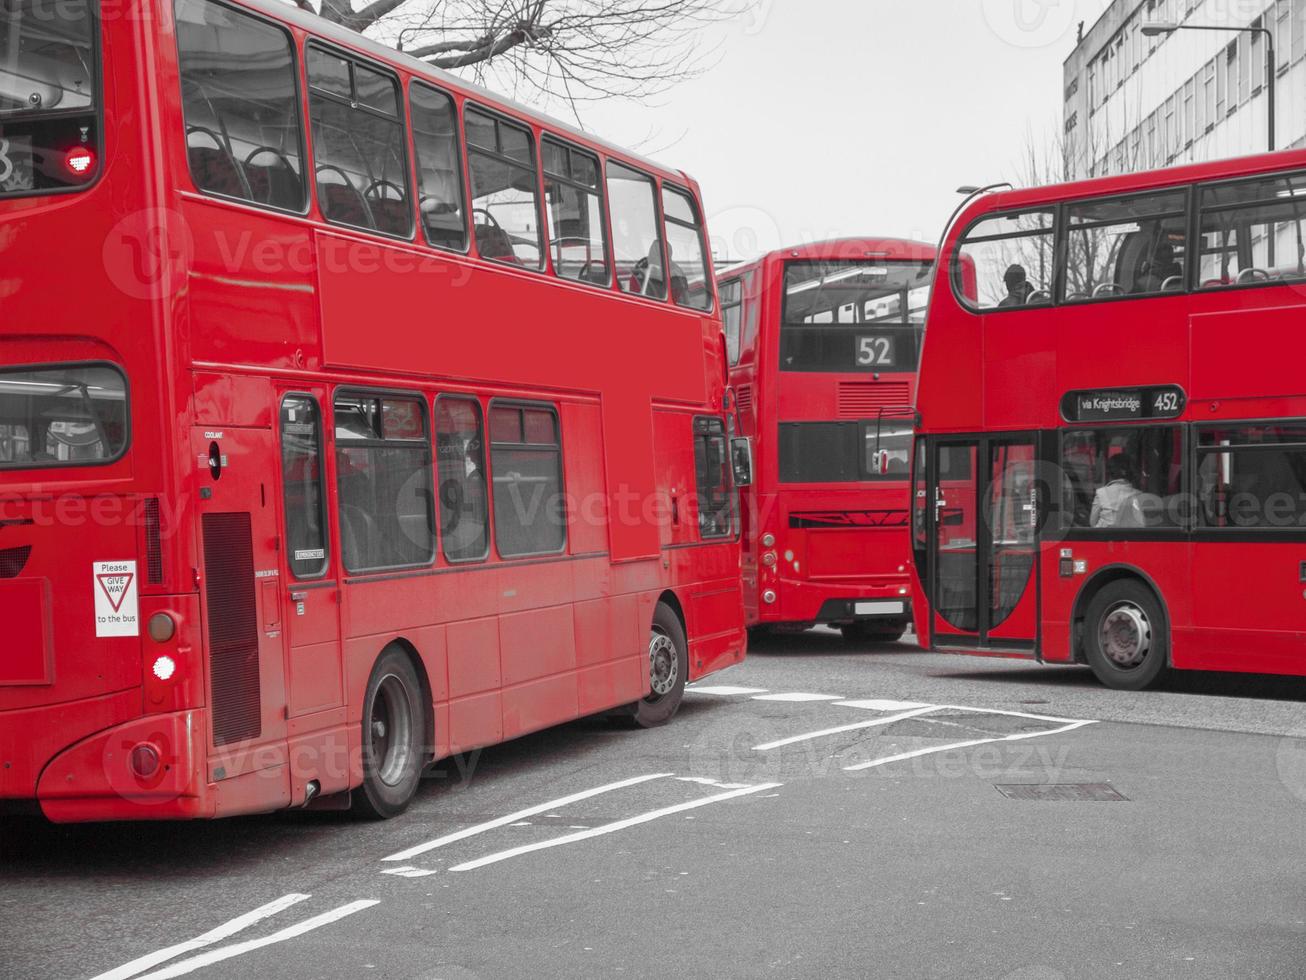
(851, 316)
(71, 416)
(48, 130)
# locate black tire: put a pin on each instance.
(668, 670)
(871, 632)
(1126, 638)
(394, 736)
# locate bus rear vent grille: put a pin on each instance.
(14, 560)
(233, 627)
(153, 543)
(745, 398)
(867, 399)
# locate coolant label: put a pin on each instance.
(116, 612)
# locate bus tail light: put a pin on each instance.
(145, 761)
(79, 161)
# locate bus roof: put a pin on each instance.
(1233, 167)
(891, 249)
(325, 29)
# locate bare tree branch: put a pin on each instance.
(573, 51)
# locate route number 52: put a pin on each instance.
(874, 351)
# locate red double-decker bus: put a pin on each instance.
(1111, 467)
(350, 417)
(823, 341)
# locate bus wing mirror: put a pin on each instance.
(741, 458)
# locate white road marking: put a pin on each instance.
(512, 818)
(797, 696)
(964, 745)
(611, 828)
(240, 949)
(704, 781)
(238, 924)
(881, 704)
(1000, 711)
(408, 871)
(724, 690)
(839, 730)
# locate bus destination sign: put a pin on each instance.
(1124, 404)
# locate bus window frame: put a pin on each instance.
(1203, 532)
(101, 93)
(699, 229)
(381, 394)
(484, 419)
(323, 453)
(601, 190)
(299, 67)
(956, 264)
(316, 41)
(1062, 249)
(1198, 212)
(79, 463)
(1069, 531)
(545, 266)
(529, 404)
(654, 180)
(460, 159)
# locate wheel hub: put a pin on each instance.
(1126, 635)
(391, 725)
(664, 665)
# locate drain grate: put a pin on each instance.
(1062, 792)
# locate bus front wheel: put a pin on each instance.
(668, 658)
(1126, 641)
(394, 723)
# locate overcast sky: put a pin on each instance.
(826, 118)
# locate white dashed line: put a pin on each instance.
(797, 696)
(408, 871)
(512, 818)
(240, 949)
(840, 729)
(224, 931)
(611, 827)
(881, 704)
(724, 690)
(964, 745)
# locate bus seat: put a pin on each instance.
(214, 170)
(276, 184)
(493, 243)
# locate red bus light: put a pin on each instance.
(80, 161)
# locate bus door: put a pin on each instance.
(983, 542)
(240, 581)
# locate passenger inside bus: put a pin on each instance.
(1116, 504)
(1019, 288)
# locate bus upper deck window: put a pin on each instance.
(1011, 257)
(49, 125)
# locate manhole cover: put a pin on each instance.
(1061, 792)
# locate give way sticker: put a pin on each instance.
(116, 612)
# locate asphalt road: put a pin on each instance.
(901, 828)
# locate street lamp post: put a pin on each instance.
(1271, 65)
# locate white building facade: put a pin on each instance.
(1134, 102)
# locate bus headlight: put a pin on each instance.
(769, 597)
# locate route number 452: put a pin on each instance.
(874, 351)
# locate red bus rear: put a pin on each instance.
(824, 341)
(350, 417)
(1111, 466)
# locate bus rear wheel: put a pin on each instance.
(668, 658)
(1126, 641)
(394, 726)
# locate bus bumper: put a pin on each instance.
(146, 769)
(881, 600)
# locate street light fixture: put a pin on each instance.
(1271, 65)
